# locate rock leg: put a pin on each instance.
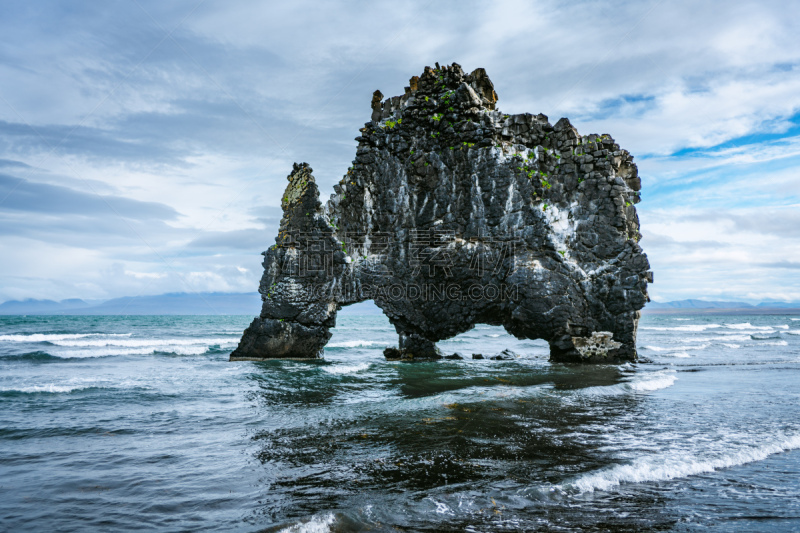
(269, 338)
(413, 346)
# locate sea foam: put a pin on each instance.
(687, 327)
(666, 466)
(53, 338)
(52, 388)
(143, 350)
(748, 325)
(321, 524)
(640, 382)
(138, 343)
(346, 369)
(355, 344)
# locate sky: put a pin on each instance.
(144, 145)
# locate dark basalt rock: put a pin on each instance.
(505, 355)
(454, 214)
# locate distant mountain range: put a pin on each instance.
(698, 304)
(178, 303)
(249, 303)
(710, 306)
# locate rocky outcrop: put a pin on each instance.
(455, 214)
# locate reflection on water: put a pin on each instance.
(463, 441)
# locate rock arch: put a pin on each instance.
(454, 214)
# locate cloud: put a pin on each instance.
(168, 155)
(20, 194)
(665, 241)
(248, 239)
(779, 222)
(9, 163)
(791, 265)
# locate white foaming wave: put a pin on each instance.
(139, 343)
(670, 352)
(652, 381)
(50, 388)
(765, 336)
(355, 344)
(687, 327)
(785, 326)
(794, 319)
(346, 369)
(676, 348)
(726, 337)
(144, 350)
(776, 343)
(734, 346)
(676, 465)
(494, 335)
(676, 354)
(321, 524)
(48, 337)
(642, 382)
(794, 332)
(748, 325)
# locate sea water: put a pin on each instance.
(126, 423)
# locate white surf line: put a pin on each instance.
(53, 337)
(677, 465)
(346, 369)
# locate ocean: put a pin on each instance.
(140, 423)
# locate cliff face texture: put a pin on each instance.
(455, 214)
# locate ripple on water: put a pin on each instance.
(354, 442)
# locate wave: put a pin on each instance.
(31, 356)
(677, 465)
(677, 354)
(652, 382)
(676, 348)
(321, 524)
(748, 325)
(739, 328)
(79, 346)
(729, 336)
(777, 343)
(356, 344)
(688, 327)
(138, 343)
(50, 388)
(794, 332)
(143, 350)
(642, 382)
(52, 338)
(765, 336)
(732, 346)
(346, 369)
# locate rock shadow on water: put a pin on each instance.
(283, 383)
(478, 442)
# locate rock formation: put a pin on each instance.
(454, 214)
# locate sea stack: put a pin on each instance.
(455, 214)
